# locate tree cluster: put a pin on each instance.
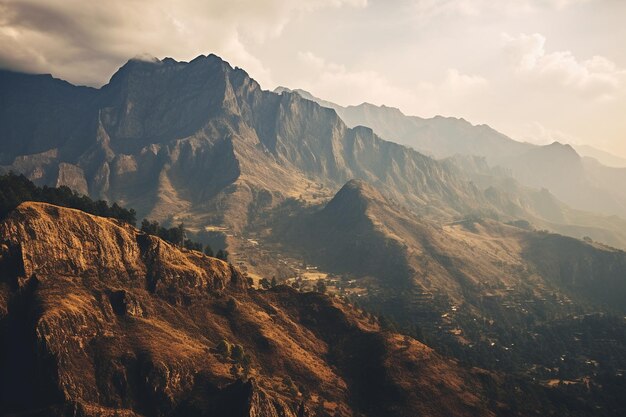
(175, 235)
(178, 236)
(241, 361)
(267, 284)
(15, 189)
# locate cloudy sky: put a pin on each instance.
(537, 70)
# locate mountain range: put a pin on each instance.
(581, 182)
(452, 256)
(605, 158)
(198, 135)
(190, 141)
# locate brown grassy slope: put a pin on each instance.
(361, 232)
(97, 318)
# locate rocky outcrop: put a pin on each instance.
(56, 241)
(73, 177)
(99, 319)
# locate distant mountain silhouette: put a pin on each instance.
(560, 169)
(605, 158)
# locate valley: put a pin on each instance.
(505, 321)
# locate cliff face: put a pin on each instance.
(98, 319)
(440, 137)
(167, 137)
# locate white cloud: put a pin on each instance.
(434, 8)
(337, 83)
(597, 77)
(86, 41)
(460, 83)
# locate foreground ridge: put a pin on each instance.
(97, 318)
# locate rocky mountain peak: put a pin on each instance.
(562, 148)
(355, 193)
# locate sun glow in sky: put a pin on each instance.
(537, 70)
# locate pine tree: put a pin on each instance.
(224, 348)
(179, 235)
(222, 254)
(237, 353)
(231, 305)
(246, 364)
